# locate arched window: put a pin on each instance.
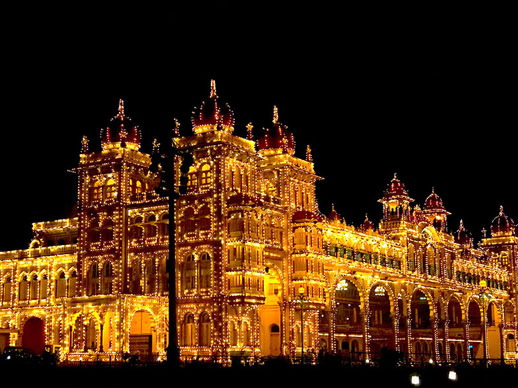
(233, 334)
(93, 279)
(192, 178)
(188, 330)
(111, 189)
(7, 287)
(97, 191)
(72, 283)
(189, 274)
(61, 285)
(205, 271)
(108, 278)
(149, 277)
(44, 286)
(204, 329)
(24, 288)
(205, 176)
(34, 287)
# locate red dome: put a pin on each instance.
(502, 224)
(433, 202)
(121, 131)
(213, 114)
(333, 216)
(395, 188)
(367, 224)
(277, 138)
(462, 236)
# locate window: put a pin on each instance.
(111, 190)
(192, 177)
(205, 271)
(204, 329)
(72, 284)
(205, 177)
(97, 191)
(61, 285)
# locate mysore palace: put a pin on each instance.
(255, 258)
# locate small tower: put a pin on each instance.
(213, 115)
(435, 212)
(396, 202)
(120, 132)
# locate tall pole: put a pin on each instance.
(172, 350)
(484, 329)
(301, 331)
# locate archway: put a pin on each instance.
(421, 326)
(142, 337)
(381, 328)
(494, 331)
(33, 337)
(348, 318)
(270, 315)
(455, 329)
(476, 349)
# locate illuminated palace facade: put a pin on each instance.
(252, 248)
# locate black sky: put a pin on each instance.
(429, 93)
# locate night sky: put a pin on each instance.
(428, 93)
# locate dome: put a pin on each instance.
(395, 188)
(462, 236)
(121, 131)
(433, 202)
(333, 216)
(277, 138)
(213, 114)
(367, 224)
(502, 224)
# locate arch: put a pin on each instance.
(142, 335)
(205, 329)
(380, 319)
(188, 330)
(33, 336)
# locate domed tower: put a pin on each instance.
(502, 225)
(367, 225)
(435, 212)
(120, 132)
(396, 201)
(333, 217)
(463, 236)
(277, 139)
(213, 115)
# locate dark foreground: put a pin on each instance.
(281, 375)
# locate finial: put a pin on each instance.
(366, 217)
(395, 175)
(176, 129)
(461, 227)
(484, 232)
(501, 210)
(213, 88)
(84, 145)
(250, 135)
(433, 190)
(275, 115)
(332, 207)
(121, 109)
(309, 157)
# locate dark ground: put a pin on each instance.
(268, 376)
